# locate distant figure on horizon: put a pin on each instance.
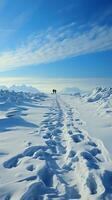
(54, 91)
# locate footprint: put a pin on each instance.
(95, 151)
(77, 138)
(91, 143)
(91, 161)
(51, 127)
(59, 124)
(51, 142)
(47, 135)
(57, 131)
(70, 132)
(91, 183)
(30, 167)
(107, 183)
(71, 154)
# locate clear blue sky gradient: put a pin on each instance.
(21, 19)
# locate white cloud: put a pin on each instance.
(57, 44)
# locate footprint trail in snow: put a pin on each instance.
(69, 164)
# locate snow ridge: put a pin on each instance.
(103, 97)
(100, 93)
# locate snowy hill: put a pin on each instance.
(11, 99)
(103, 97)
(100, 93)
(23, 88)
(71, 91)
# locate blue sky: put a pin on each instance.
(56, 38)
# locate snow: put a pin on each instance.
(55, 147)
(99, 93)
(23, 88)
(71, 91)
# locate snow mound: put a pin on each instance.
(71, 91)
(10, 99)
(100, 93)
(23, 88)
(103, 97)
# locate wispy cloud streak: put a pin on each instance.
(57, 44)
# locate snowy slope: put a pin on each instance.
(45, 153)
(103, 97)
(100, 93)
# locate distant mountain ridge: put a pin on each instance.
(21, 88)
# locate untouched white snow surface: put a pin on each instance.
(46, 151)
